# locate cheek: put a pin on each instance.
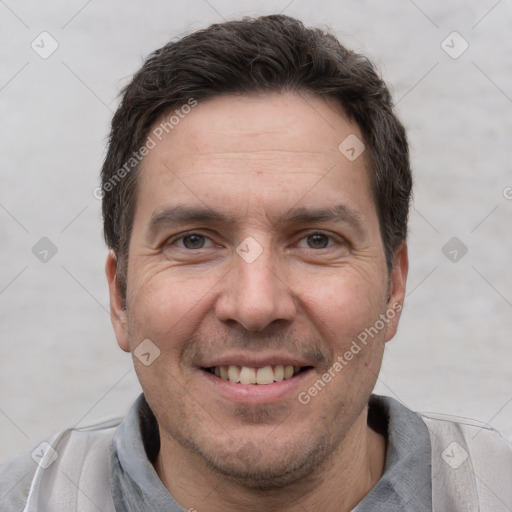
(343, 304)
(166, 309)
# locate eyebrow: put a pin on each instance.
(339, 213)
(183, 214)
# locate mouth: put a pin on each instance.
(261, 376)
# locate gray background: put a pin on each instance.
(60, 364)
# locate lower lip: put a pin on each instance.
(256, 394)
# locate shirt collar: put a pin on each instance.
(134, 482)
(407, 482)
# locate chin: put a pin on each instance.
(267, 468)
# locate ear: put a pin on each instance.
(117, 311)
(396, 289)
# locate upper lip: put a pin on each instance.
(254, 361)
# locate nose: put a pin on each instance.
(255, 295)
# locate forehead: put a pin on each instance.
(283, 148)
(243, 124)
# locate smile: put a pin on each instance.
(260, 376)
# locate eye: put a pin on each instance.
(316, 241)
(193, 241)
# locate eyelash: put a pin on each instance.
(332, 240)
(182, 236)
(185, 235)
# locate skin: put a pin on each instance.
(255, 159)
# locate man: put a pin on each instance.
(255, 199)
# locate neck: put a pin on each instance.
(338, 485)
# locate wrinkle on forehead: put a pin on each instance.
(267, 121)
(261, 153)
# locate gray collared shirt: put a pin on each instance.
(405, 485)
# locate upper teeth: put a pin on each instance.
(248, 375)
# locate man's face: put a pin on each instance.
(256, 247)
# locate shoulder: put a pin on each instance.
(472, 456)
(19, 474)
(484, 441)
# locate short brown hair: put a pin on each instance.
(254, 55)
